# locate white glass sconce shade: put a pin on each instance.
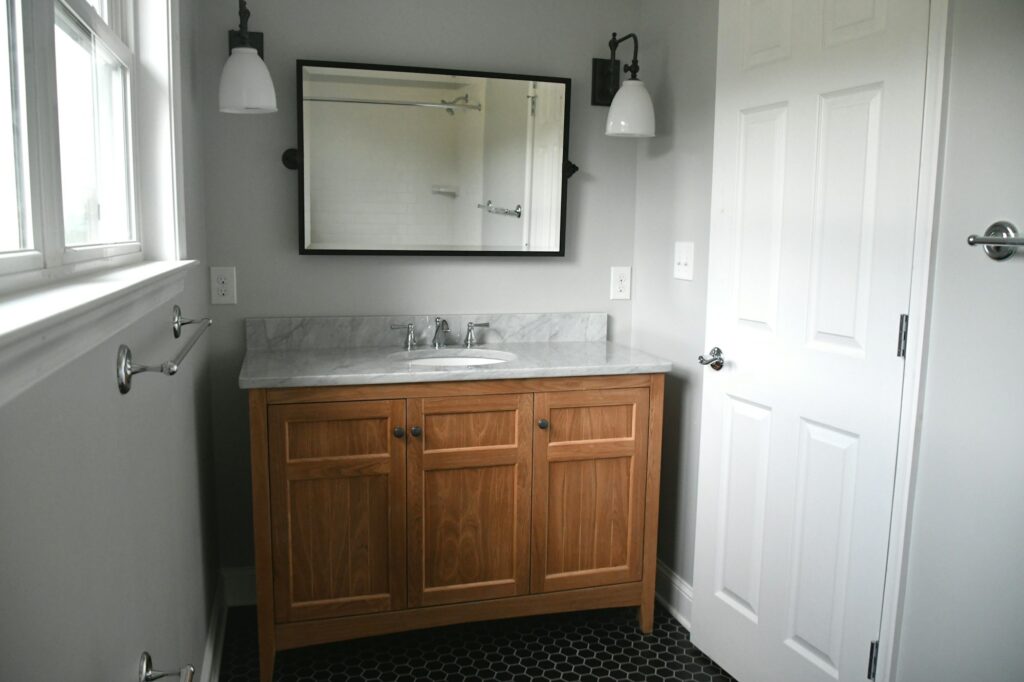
(632, 112)
(245, 84)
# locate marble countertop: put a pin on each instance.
(389, 365)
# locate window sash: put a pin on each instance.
(15, 80)
(113, 33)
(92, 147)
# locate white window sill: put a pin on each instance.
(43, 329)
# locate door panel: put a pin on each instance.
(337, 508)
(588, 499)
(759, 220)
(827, 464)
(469, 498)
(818, 120)
(744, 484)
(843, 223)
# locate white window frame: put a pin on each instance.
(50, 259)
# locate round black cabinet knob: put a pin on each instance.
(416, 431)
(543, 423)
(399, 432)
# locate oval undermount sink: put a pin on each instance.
(454, 358)
(455, 362)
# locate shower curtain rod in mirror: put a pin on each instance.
(395, 102)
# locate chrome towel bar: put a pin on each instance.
(1000, 240)
(126, 369)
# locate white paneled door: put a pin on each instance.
(818, 122)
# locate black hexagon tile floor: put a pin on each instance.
(595, 646)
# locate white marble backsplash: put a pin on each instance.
(321, 333)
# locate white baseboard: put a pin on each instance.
(236, 587)
(239, 585)
(210, 670)
(675, 594)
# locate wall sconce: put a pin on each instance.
(632, 112)
(245, 83)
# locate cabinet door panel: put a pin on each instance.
(588, 498)
(338, 508)
(469, 498)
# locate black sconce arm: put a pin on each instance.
(243, 22)
(634, 68)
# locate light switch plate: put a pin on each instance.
(222, 285)
(621, 275)
(682, 267)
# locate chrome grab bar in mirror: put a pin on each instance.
(147, 674)
(498, 210)
(125, 369)
(1000, 240)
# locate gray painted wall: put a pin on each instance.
(105, 511)
(252, 198)
(963, 617)
(673, 203)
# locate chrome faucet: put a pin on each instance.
(410, 334)
(440, 333)
(470, 336)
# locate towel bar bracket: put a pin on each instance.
(1001, 240)
(147, 674)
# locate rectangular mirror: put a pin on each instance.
(399, 160)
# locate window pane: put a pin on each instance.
(13, 225)
(91, 107)
(101, 8)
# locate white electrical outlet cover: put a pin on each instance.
(223, 290)
(682, 266)
(621, 276)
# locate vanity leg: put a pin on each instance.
(650, 552)
(260, 461)
(645, 614)
(266, 663)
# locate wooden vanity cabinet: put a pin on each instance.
(394, 507)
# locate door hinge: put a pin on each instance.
(873, 660)
(901, 346)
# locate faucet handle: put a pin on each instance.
(410, 334)
(470, 336)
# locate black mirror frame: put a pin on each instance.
(292, 159)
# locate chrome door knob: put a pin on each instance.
(714, 359)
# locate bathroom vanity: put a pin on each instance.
(397, 489)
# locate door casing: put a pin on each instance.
(912, 406)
